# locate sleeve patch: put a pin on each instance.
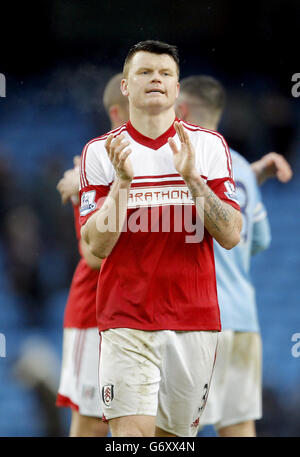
(88, 203)
(230, 191)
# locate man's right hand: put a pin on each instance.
(68, 186)
(118, 152)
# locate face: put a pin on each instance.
(152, 82)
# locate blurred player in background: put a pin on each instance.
(79, 376)
(235, 397)
(156, 297)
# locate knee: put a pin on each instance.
(89, 427)
(132, 426)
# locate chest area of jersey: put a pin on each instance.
(156, 181)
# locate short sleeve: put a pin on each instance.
(259, 211)
(220, 175)
(94, 180)
(261, 236)
(261, 228)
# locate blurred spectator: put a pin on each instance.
(279, 117)
(23, 246)
(7, 187)
(37, 368)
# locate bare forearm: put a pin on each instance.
(103, 229)
(259, 171)
(223, 222)
(272, 165)
(93, 262)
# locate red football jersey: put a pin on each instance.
(80, 309)
(154, 278)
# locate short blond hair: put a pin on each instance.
(206, 89)
(112, 94)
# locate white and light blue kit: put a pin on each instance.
(236, 294)
(235, 394)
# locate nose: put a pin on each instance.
(156, 77)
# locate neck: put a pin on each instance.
(152, 125)
(205, 123)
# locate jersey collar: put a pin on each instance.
(150, 142)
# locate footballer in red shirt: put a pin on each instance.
(154, 193)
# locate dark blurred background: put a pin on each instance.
(56, 57)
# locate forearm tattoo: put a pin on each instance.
(217, 215)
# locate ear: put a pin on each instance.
(182, 110)
(124, 87)
(114, 114)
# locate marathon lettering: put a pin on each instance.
(165, 195)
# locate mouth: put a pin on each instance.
(155, 91)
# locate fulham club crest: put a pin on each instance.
(108, 394)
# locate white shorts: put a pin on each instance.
(236, 389)
(157, 373)
(79, 387)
